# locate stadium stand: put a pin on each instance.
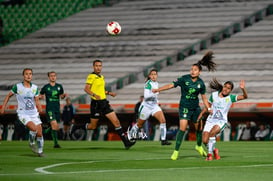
(155, 33)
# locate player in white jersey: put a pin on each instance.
(149, 107)
(27, 95)
(220, 103)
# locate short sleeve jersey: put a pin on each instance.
(52, 94)
(221, 106)
(150, 98)
(190, 91)
(25, 98)
(98, 85)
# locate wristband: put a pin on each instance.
(93, 95)
(209, 109)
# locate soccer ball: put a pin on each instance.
(113, 28)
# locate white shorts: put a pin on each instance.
(210, 123)
(145, 112)
(29, 118)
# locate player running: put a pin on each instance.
(27, 95)
(150, 107)
(220, 102)
(191, 86)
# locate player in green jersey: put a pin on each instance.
(191, 86)
(53, 92)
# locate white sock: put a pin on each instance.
(134, 131)
(32, 136)
(211, 144)
(163, 131)
(89, 134)
(40, 144)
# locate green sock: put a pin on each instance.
(179, 139)
(199, 137)
(54, 136)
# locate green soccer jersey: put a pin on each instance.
(190, 91)
(52, 94)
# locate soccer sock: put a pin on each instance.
(199, 137)
(211, 144)
(179, 139)
(89, 134)
(54, 136)
(121, 134)
(163, 131)
(32, 136)
(133, 132)
(40, 143)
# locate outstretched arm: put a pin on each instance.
(163, 88)
(244, 95)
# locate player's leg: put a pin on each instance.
(90, 127)
(198, 125)
(32, 135)
(183, 123)
(216, 130)
(159, 115)
(212, 141)
(144, 114)
(115, 121)
(54, 132)
(133, 133)
(40, 140)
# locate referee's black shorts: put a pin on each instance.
(99, 108)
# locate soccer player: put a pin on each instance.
(99, 106)
(191, 86)
(220, 102)
(53, 92)
(29, 107)
(150, 107)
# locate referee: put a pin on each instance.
(95, 87)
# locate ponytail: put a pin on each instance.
(207, 61)
(214, 84)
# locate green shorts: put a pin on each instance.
(51, 116)
(189, 114)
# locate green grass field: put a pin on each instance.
(147, 160)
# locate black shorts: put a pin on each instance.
(99, 108)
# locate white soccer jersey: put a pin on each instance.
(25, 98)
(220, 106)
(150, 98)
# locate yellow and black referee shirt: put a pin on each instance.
(97, 85)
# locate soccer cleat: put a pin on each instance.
(33, 147)
(128, 144)
(209, 157)
(142, 136)
(175, 155)
(129, 136)
(165, 142)
(57, 146)
(216, 154)
(200, 150)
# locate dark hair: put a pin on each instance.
(214, 84)
(152, 70)
(48, 73)
(26, 69)
(206, 61)
(97, 60)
